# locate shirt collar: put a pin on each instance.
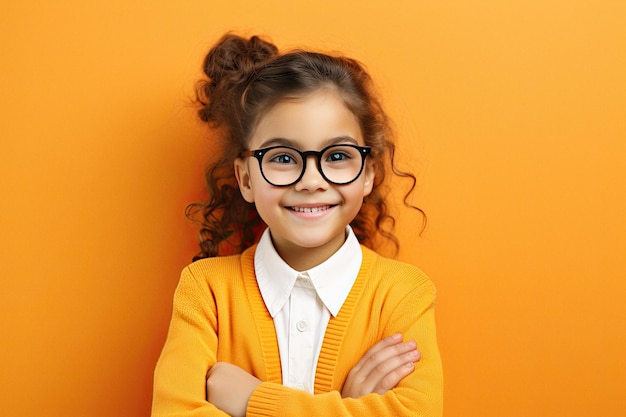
(332, 278)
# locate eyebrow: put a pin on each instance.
(293, 143)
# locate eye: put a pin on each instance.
(282, 158)
(338, 156)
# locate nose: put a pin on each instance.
(312, 178)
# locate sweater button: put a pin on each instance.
(302, 326)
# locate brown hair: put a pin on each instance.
(245, 78)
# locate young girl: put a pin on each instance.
(306, 319)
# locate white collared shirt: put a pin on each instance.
(301, 303)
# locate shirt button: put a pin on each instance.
(302, 326)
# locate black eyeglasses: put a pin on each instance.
(282, 166)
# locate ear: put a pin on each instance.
(369, 175)
(242, 174)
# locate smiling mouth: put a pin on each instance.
(309, 209)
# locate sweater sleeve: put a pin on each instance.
(188, 353)
(420, 394)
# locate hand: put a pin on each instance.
(381, 368)
(229, 388)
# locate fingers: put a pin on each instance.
(387, 355)
(392, 378)
(390, 365)
(382, 367)
(378, 347)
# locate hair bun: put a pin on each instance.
(234, 58)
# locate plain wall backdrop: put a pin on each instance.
(512, 114)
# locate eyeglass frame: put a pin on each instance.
(364, 151)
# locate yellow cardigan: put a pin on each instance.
(219, 315)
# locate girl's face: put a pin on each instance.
(307, 220)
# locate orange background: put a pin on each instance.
(511, 112)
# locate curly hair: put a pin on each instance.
(245, 79)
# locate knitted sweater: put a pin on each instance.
(219, 316)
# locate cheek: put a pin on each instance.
(355, 195)
(266, 197)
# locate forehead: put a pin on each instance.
(311, 122)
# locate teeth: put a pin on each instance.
(310, 209)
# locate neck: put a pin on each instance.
(304, 258)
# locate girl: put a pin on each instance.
(304, 320)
